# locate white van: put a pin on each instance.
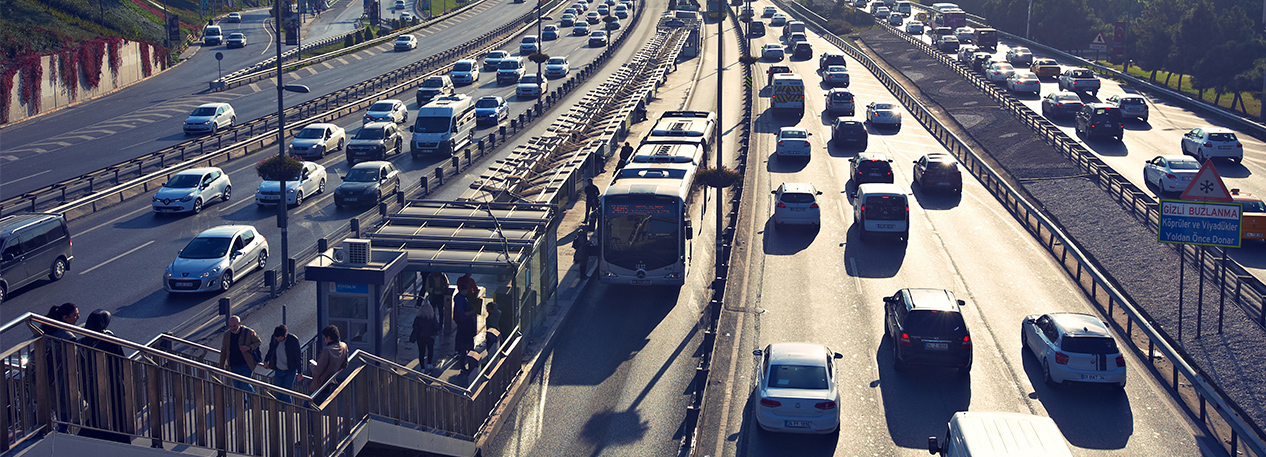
(881, 208)
(788, 94)
(790, 28)
(445, 125)
(997, 434)
(904, 8)
(212, 35)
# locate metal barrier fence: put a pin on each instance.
(1080, 267)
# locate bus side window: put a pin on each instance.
(689, 232)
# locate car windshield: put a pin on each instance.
(204, 111)
(496, 54)
(794, 134)
(486, 103)
(310, 133)
(236, 36)
(941, 168)
(1067, 98)
(403, 38)
(462, 66)
(1221, 137)
(1026, 77)
(206, 248)
(528, 79)
(884, 208)
(183, 181)
(1089, 345)
(1003, 67)
(797, 377)
(1184, 165)
(1131, 101)
(1253, 206)
(797, 197)
(370, 134)
(431, 124)
(1083, 74)
(883, 106)
(508, 65)
(433, 82)
(556, 61)
(842, 95)
(362, 175)
(529, 39)
(382, 106)
(935, 323)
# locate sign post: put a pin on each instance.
(1205, 215)
(1099, 43)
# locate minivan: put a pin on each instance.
(32, 246)
(881, 208)
(1000, 434)
(212, 35)
(445, 125)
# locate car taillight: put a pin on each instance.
(814, 205)
(1238, 145)
(1092, 126)
(780, 143)
(967, 342)
(1061, 358)
(782, 205)
(825, 405)
(1208, 144)
(1120, 360)
(1171, 176)
(904, 340)
(863, 208)
(770, 403)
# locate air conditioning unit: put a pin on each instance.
(355, 252)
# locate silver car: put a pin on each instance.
(557, 68)
(1024, 81)
(883, 113)
(310, 181)
(793, 142)
(389, 110)
(216, 258)
(1131, 105)
(210, 118)
(189, 190)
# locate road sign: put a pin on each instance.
(1099, 39)
(1118, 38)
(1098, 47)
(1207, 185)
(1202, 223)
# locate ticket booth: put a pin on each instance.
(359, 292)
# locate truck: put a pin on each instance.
(1078, 79)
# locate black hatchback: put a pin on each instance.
(926, 327)
(871, 167)
(1100, 120)
(846, 133)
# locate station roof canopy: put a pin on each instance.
(460, 236)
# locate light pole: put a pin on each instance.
(1028, 21)
(720, 91)
(540, 49)
(282, 220)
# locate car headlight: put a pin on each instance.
(187, 198)
(212, 272)
(371, 190)
(290, 190)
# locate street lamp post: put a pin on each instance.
(1028, 21)
(540, 49)
(282, 219)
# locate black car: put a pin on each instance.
(938, 170)
(846, 133)
(926, 327)
(756, 28)
(831, 58)
(773, 70)
(980, 61)
(1100, 120)
(1060, 103)
(367, 183)
(802, 50)
(871, 167)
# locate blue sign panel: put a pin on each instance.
(350, 288)
(1203, 223)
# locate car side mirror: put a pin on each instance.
(237, 254)
(933, 446)
(962, 303)
(410, 128)
(916, 162)
(852, 194)
(757, 353)
(838, 355)
(773, 192)
(819, 192)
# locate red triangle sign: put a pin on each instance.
(1207, 185)
(1098, 39)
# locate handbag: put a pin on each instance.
(257, 355)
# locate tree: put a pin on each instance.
(1064, 24)
(279, 167)
(1152, 34)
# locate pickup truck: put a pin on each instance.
(317, 140)
(1079, 80)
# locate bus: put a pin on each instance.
(677, 127)
(952, 18)
(937, 7)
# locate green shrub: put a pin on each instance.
(277, 167)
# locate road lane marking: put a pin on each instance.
(111, 221)
(117, 257)
(11, 181)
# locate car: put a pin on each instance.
(530, 44)
(212, 35)
(793, 142)
(796, 387)
(1132, 105)
(1043, 66)
(568, 20)
(915, 28)
(215, 259)
(35, 246)
(433, 87)
(796, 37)
(774, 70)
(895, 19)
(769, 11)
(597, 38)
(926, 327)
(965, 34)
(613, 24)
(493, 58)
(772, 52)
(235, 40)
(845, 132)
(233, 17)
(464, 71)
(406, 16)
(796, 204)
(947, 44)
(317, 140)
(367, 183)
(405, 43)
(1100, 120)
(374, 141)
(870, 167)
(882, 12)
(510, 70)
(883, 113)
(210, 118)
(1079, 80)
(938, 170)
(1212, 142)
(1170, 173)
(1060, 103)
(998, 72)
(995, 433)
(756, 28)
(399, 4)
(840, 101)
(802, 50)
(829, 59)
(1020, 55)
(491, 110)
(550, 32)
(390, 110)
(593, 17)
(1024, 82)
(530, 87)
(310, 181)
(778, 19)
(836, 75)
(981, 61)
(557, 68)
(967, 53)
(746, 10)
(581, 29)
(188, 191)
(1252, 215)
(1073, 347)
(621, 11)
(604, 10)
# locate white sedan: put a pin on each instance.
(793, 141)
(389, 110)
(883, 113)
(317, 140)
(405, 43)
(999, 71)
(216, 258)
(189, 190)
(1170, 173)
(528, 86)
(1211, 142)
(772, 51)
(557, 68)
(1024, 82)
(310, 181)
(1073, 347)
(796, 387)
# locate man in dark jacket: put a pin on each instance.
(591, 199)
(626, 153)
(284, 363)
(238, 351)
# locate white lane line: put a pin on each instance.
(11, 181)
(102, 264)
(111, 221)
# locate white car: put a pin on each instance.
(778, 19)
(557, 68)
(528, 86)
(1170, 173)
(406, 42)
(793, 142)
(999, 71)
(317, 140)
(464, 72)
(1131, 105)
(580, 29)
(389, 110)
(1024, 82)
(769, 11)
(1020, 55)
(965, 34)
(216, 258)
(796, 203)
(1211, 142)
(883, 113)
(494, 58)
(882, 12)
(234, 17)
(772, 51)
(1073, 347)
(189, 190)
(310, 181)
(210, 118)
(406, 17)
(796, 387)
(530, 44)
(914, 28)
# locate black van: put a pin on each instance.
(32, 246)
(1100, 120)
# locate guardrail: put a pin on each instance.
(1079, 266)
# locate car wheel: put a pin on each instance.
(1200, 155)
(232, 121)
(1144, 119)
(3, 294)
(226, 280)
(228, 193)
(262, 261)
(58, 269)
(298, 198)
(1237, 160)
(340, 145)
(897, 364)
(321, 187)
(197, 206)
(214, 127)
(1046, 373)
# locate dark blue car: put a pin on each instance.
(491, 110)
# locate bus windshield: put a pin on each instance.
(641, 231)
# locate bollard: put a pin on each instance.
(355, 227)
(512, 125)
(467, 153)
(224, 306)
(323, 245)
(382, 209)
(400, 197)
(502, 131)
(439, 176)
(292, 266)
(457, 164)
(480, 145)
(270, 281)
(425, 189)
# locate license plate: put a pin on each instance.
(1224, 147)
(641, 282)
(942, 183)
(797, 424)
(797, 210)
(886, 226)
(349, 199)
(936, 346)
(1092, 377)
(1252, 234)
(872, 174)
(184, 284)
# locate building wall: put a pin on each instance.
(54, 95)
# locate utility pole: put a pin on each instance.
(282, 219)
(1028, 21)
(720, 112)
